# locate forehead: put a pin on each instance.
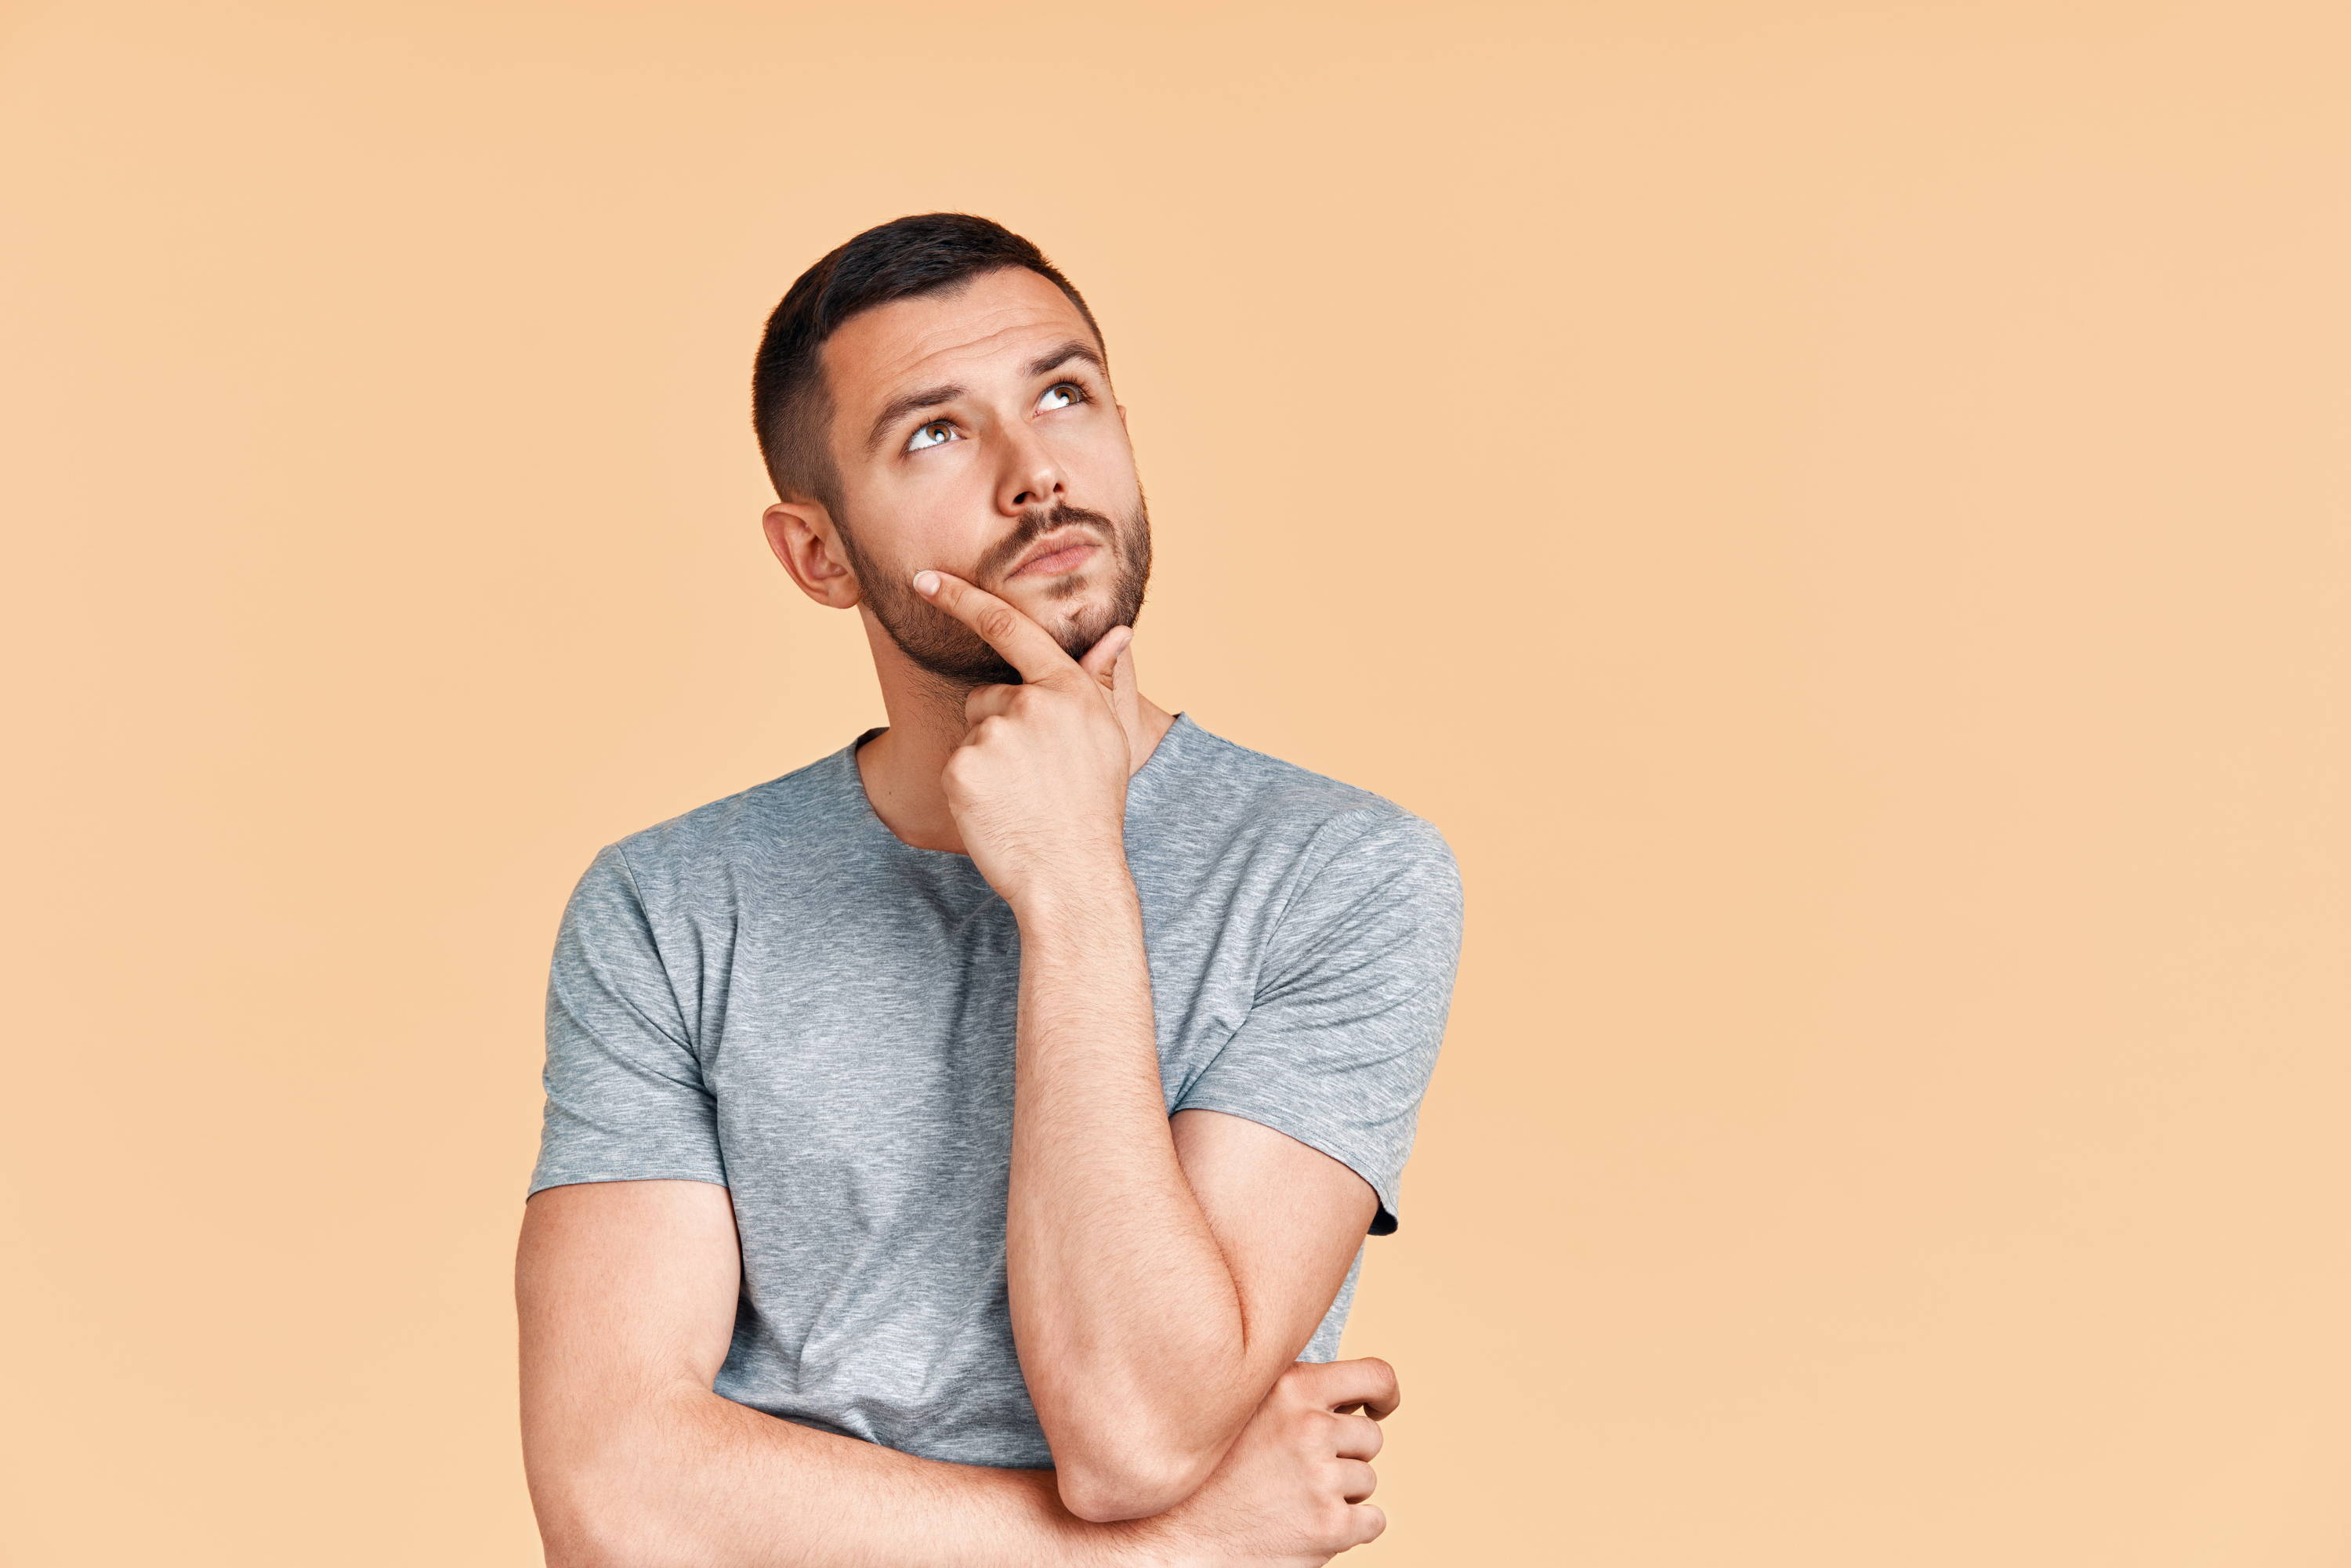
(995, 322)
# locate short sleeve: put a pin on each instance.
(1350, 1006)
(625, 1097)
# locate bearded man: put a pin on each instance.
(960, 1149)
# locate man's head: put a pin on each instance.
(935, 393)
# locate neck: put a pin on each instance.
(901, 767)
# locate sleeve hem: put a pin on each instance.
(571, 1179)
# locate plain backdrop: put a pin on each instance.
(1837, 510)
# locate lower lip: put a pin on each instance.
(1059, 561)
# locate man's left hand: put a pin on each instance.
(1038, 786)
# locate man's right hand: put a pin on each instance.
(1290, 1492)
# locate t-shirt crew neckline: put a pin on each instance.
(1142, 789)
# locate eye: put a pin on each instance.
(1070, 393)
(938, 433)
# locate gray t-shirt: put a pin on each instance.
(775, 993)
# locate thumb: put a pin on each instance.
(1122, 693)
(1124, 700)
(1102, 660)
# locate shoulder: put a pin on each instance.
(708, 843)
(1333, 830)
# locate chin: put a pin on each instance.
(1058, 599)
(1078, 619)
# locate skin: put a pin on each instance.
(1163, 1272)
(966, 505)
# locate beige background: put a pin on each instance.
(1839, 512)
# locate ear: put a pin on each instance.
(802, 535)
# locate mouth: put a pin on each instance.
(1055, 554)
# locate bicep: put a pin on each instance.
(1289, 1218)
(625, 1292)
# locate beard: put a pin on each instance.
(947, 648)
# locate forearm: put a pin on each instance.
(693, 1479)
(1133, 1338)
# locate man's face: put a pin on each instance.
(970, 429)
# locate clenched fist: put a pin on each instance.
(1293, 1490)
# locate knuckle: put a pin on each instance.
(1352, 1479)
(994, 622)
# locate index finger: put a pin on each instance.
(1027, 646)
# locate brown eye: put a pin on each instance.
(936, 432)
(1070, 392)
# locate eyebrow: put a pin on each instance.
(909, 403)
(1075, 349)
(899, 407)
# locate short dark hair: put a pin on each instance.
(792, 408)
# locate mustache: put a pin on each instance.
(1035, 524)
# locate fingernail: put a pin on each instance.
(926, 581)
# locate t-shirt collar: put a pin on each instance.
(1143, 788)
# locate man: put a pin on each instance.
(959, 1150)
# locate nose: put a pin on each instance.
(1031, 476)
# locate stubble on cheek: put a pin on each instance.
(944, 647)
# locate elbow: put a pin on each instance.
(1126, 1450)
(1105, 1490)
(615, 1531)
(580, 1535)
(595, 1509)
(583, 1524)
(1101, 1497)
